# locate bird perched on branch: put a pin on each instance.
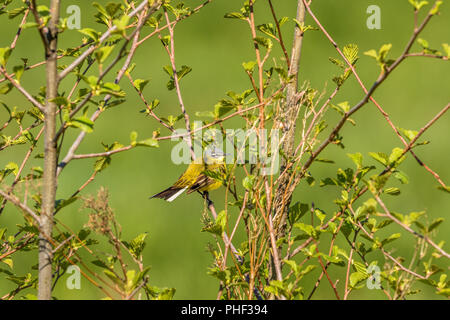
(201, 177)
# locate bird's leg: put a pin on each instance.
(205, 196)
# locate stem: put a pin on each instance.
(50, 154)
(287, 117)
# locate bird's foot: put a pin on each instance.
(205, 196)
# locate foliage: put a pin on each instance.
(288, 241)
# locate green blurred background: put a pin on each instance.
(215, 48)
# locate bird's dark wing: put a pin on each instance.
(201, 182)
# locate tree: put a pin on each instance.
(285, 127)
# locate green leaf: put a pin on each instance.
(208, 114)
(6, 88)
(83, 123)
(267, 29)
(402, 177)
(61, 203)
(265, 42)
(9, 262)
(166, 294)
(121, 23)
(102, 163)
(446, 49)
(18, 70)
(218, 226)
(392, 191)
(133, 137)
(140, 84)
(435, 224)
(324, 160)
(418, 5)
(91, 33)
(249, 66)
(12, 167)
(165, 40)
(15, 12)
(60, 101)
(4, 55)
(103, 53)
(111, 275)
(350, 51)
(151, 142)
(424, 43)
(220, 110)
(302, 27)
(2, 232)
(297, 211)
(383, 223)
(183, 72)
(380, 157)
(307, 228)
(321, 215)
(384, 50)
(283, 21)
(293, 265)
(249, 182)
(29, 25)
(234, 15)
(356, 158)
(100, 264)
(396, 156)
(328, 182)
(372, 53)
(137, 245)
(435, 9)
(445, 189)
(357, 277)
(391, 238)
(409, 134)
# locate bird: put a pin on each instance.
(195, 179)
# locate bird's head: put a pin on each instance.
(214, 155)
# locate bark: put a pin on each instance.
(286, 122)
(50, 157)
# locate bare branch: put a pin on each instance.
(20, 205)
(22, 90)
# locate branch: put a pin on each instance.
(404, 226)
(104, 37)
(382, 77)
(101, 154)
(49, 179)
(80, 137)
(171, 53)
(19, 31)
(22, 90)
(287, 117)
(280, 36)
(20, 205)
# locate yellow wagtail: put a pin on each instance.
(195, 179)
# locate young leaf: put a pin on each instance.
(151, 142)
(356, 158)
(91, 33)
(83, 123)
(218, 226)
(4, 55)
(140, 84)
(249, 182)
(234, 15)
(380, 157)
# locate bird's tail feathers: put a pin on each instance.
(169, 194)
